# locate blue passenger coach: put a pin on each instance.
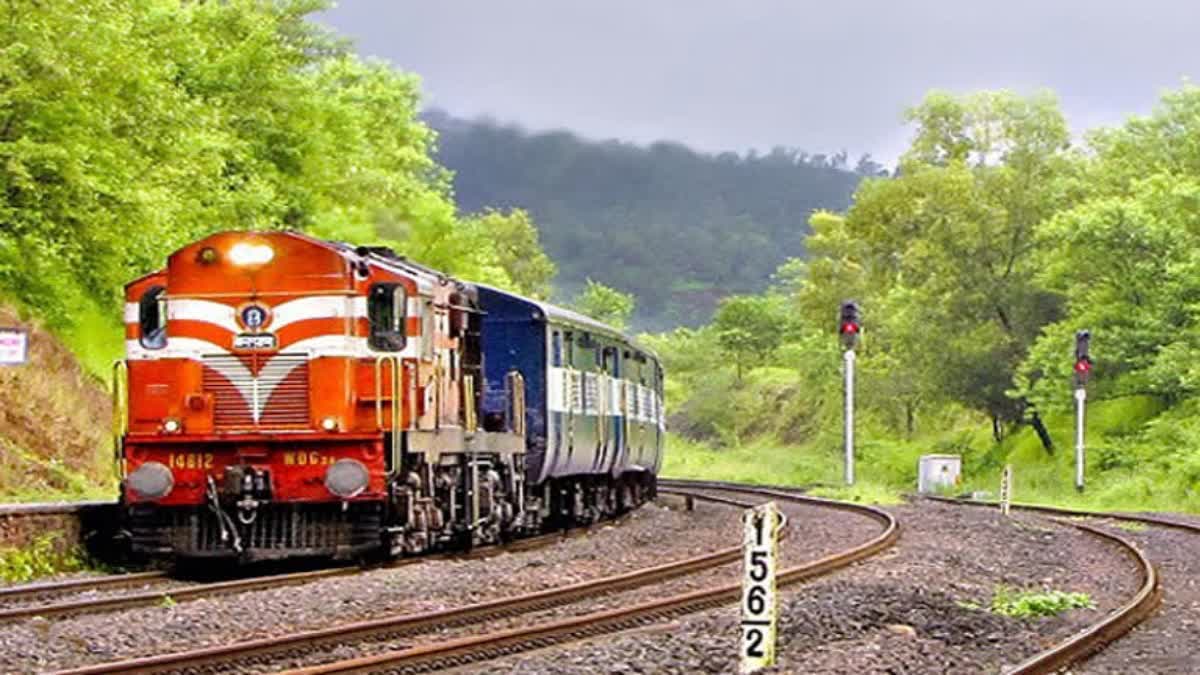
(593, 414)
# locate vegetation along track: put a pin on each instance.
(461, 651)
(18, 602)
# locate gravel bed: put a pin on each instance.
(1167, 642)
(813, 532)
(906, 611)
(652, 535)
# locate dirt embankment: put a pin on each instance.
(54, 423)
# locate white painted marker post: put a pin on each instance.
(760, 611)
(1006, 489)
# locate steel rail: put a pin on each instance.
(175, 594)
(462, 651)
(1140, 607)
(45, 589)
(1096, 636)
(197, 591)
(297, 645)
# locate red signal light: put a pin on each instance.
(1083, 366)
(849, 328)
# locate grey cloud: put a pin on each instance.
(732, 75)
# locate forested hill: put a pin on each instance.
(676, 227)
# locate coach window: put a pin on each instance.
(152, 317)
(556, 349)
(386, 305)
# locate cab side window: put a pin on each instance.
(386, 313)
(152, 317)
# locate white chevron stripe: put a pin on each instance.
(322, 345)
(318, 307)
(206, 311)
(225, 316)
(177, 348)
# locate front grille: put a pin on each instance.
(278, 530)
(276, 397)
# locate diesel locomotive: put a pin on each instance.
(285, 396)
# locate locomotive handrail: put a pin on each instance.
(517, 383)
(120, 412)
(395, 361)
(469, 418)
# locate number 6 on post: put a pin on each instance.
(760, 552)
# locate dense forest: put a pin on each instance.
(679, 229)
(997, 240)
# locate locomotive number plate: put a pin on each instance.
(254, 342)
(190, 460)
(311, 458)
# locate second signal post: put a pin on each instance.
(849, 329)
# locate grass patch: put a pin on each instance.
(44, 557)
(1131, 526)
(1140, 457)
(767, 463)
(1036, 604)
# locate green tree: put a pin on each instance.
(605, 304)
(1126, 256)
(159, 122)
(956, 232)
(750, 328)
(514, 238)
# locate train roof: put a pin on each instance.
(561, 315)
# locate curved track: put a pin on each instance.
(1059, 656)
(304, 644)
(1140, 607)
(468, 650)
(25, 595)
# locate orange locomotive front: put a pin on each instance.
(272, 382)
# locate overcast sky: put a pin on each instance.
(731, 75)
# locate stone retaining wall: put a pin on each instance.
(75, 523)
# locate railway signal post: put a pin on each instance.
(849, 328)
(1083, 369)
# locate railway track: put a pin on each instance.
(19, 602)
(52, 589)
(1141, 606)
(268, 653)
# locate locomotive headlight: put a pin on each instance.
(347, 478)
(329, 424)
(171, 425)
(244, 253)
(151, 480)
